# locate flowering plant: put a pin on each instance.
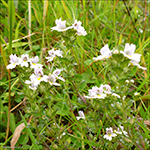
(77, 105)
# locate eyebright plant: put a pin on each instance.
(104, 116)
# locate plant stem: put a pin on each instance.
(9, 106)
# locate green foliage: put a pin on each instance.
(54, 108)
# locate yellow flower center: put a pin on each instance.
(131, 63)
(39, 78)
(109, 134)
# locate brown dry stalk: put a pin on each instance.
(9, 105)
(18, 104)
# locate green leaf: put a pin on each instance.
(18, 44)
(26, 146)
(13, 74)
(88, 77)
(83, 84)
(12, 122)
(23, 139)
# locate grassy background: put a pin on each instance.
(106, 22)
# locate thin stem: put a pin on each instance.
(29, 31)
(9, 106)
(131, 17)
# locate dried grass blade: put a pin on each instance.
(16, 135)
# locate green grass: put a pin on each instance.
(54, 109)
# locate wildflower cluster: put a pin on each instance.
(53, 53)
(38, 75)
(122, 61)
(110, 133)
(61, 27)
(100, 92)
(128, 53)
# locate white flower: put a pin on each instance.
(24, 60)
(105, 53)
(77, 25)
(60, 26)
(80, 30)
(14, 61)
(116, 52)
(132, 81)
(56, 74)
(127, 81)
(81, 115)
(32, 85)
(34, 62)
(120, 132)
(109, 134)
(36, 78)
(52, 54)
(59, 53)
(141, 31)
(106, 88)
(136, 94)
(51, 79)
(129, 52)
(116, 95)
(62, 134)
(124, 97)
(136, 63)
(96, 92)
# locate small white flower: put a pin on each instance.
(105, 53)
(129, 52)
(96, 92)
(59, 53)
(106, 89)
(62, 134)
(80, 30)
(136, 63)
(136, 94)
(127, 81)
(132, 81)
(33, 87)
(38, 72)
(124, 97)
(24, 60)
(56, 74)
(116, 52)
(60, 26)
(51, 79)
(77, 25)
(36, 78)
(109, 134)
(52, 54)
(122, 130)
(81, 115)
(34, 62)
(116, 95)
(141, 31)
(14, 61)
